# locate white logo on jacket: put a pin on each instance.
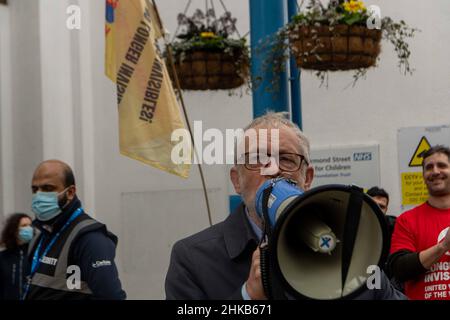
(103, 263)
(50, 261)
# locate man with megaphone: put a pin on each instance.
(224, 261)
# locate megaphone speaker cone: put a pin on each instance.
(308, 253)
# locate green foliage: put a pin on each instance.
(218, 44)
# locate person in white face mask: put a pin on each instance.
(68, 242)
(14, 266)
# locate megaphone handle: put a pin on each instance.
(264, 244)
(272, 287)
(265, 270)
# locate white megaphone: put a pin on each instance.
(320, 242)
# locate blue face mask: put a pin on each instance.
(45, 205)
(25, 234)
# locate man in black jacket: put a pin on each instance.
(223, 261)
(381, 197)
(72, 256)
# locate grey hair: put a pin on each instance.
(278, 119)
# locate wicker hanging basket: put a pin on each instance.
(211, 70)
(340, 47)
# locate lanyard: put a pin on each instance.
(38, 259)
(21, 273)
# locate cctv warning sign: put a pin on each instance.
(412, 144)
(414, 190)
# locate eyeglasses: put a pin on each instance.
(288, 162)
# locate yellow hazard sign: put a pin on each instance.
(414, 190)
(416, 159)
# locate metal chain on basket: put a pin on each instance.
(211, 3)
(234, 25)
(178, 26)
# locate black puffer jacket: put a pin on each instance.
(14, 269)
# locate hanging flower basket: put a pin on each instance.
(342, 35)
(211, 70)
(206, 57)
(341, 47)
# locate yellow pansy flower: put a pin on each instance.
(353, 6)
(207, 34)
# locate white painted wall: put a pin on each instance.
(20, 96)
(6, 139)
(62, 105)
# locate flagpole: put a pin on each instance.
(180, 97)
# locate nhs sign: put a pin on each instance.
(362, 156)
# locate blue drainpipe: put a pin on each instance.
(266, 18)
(296, 96)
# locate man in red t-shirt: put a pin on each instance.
(420, 244)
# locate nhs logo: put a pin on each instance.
(362, 156)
